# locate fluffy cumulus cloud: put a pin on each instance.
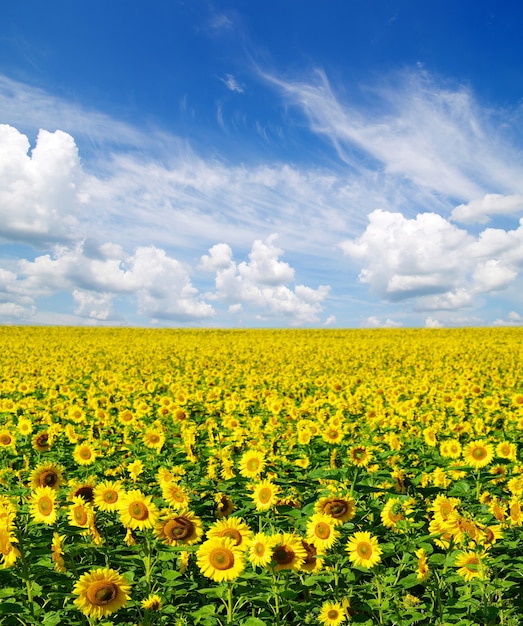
(264, 283)
(492, 204)
(160, 284)
(39, 188)
(430, 260)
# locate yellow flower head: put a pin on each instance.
(47, 475)
(288, 552)
(101, 592)
(220, 559)
(179, 528)
(137, 511)
(332, 613)
(470, 565)
(152, 603)
(85, 454)
(341, 509)
(321, 531)
(260, 549)
(234, 528)
(175, 495)
(107, 495)
(364, 550)
(42, 505)
(478, 453)
(252, 464)
(265, 495)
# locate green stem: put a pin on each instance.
(380, 599)
(276, 598)
(25, 575)
(148, 564)
(351, 493)
(230, 610)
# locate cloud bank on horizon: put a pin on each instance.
(394, 202)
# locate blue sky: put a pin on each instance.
(349, 163)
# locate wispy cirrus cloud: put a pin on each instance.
(437, 137)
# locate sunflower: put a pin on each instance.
(234, 528)
(478, 453)
(340, 509)
(364, 550)
(264, 495)
(443, 507)
(107, 495)
(312, 562)
(42, 506)
(175, 495)
(470, 565)
(515, 512)
(224, 505)
(9, 553)
(154, 438)
(135, 468)
(152, 603)
(47, 475)
(423, 571)
(179, 528)
(360, 456)
(84, 454)
(252, 464)
(506, 450)
(332, 614)
(57, 552)
(24, 426)
(42, 441)
(101, 592)
(137, 511)
(332, 433)
(492, 534)
(85, 489)
(396, 510)
(450, 448)
(321, 531)
(80, 513)
(260, 549)
(220, 559)
(126, 417)
(7, 439)
(288, 552)
(517, 400)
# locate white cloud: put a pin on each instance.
(375, 322)
(262, 283)
(482, 210)
(219, 257)
(430, 260)
(160, 283)
(407, 258)
(414, 128)
(430, 322)
(512, 319)
(39, 195)
(97, 306)
(232, 84)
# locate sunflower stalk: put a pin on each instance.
(379, 597)
(354, 479)
(26, 577)
(148, 563)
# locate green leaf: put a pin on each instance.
(253, 621)
(7, 608)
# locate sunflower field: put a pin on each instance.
(261, 477)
